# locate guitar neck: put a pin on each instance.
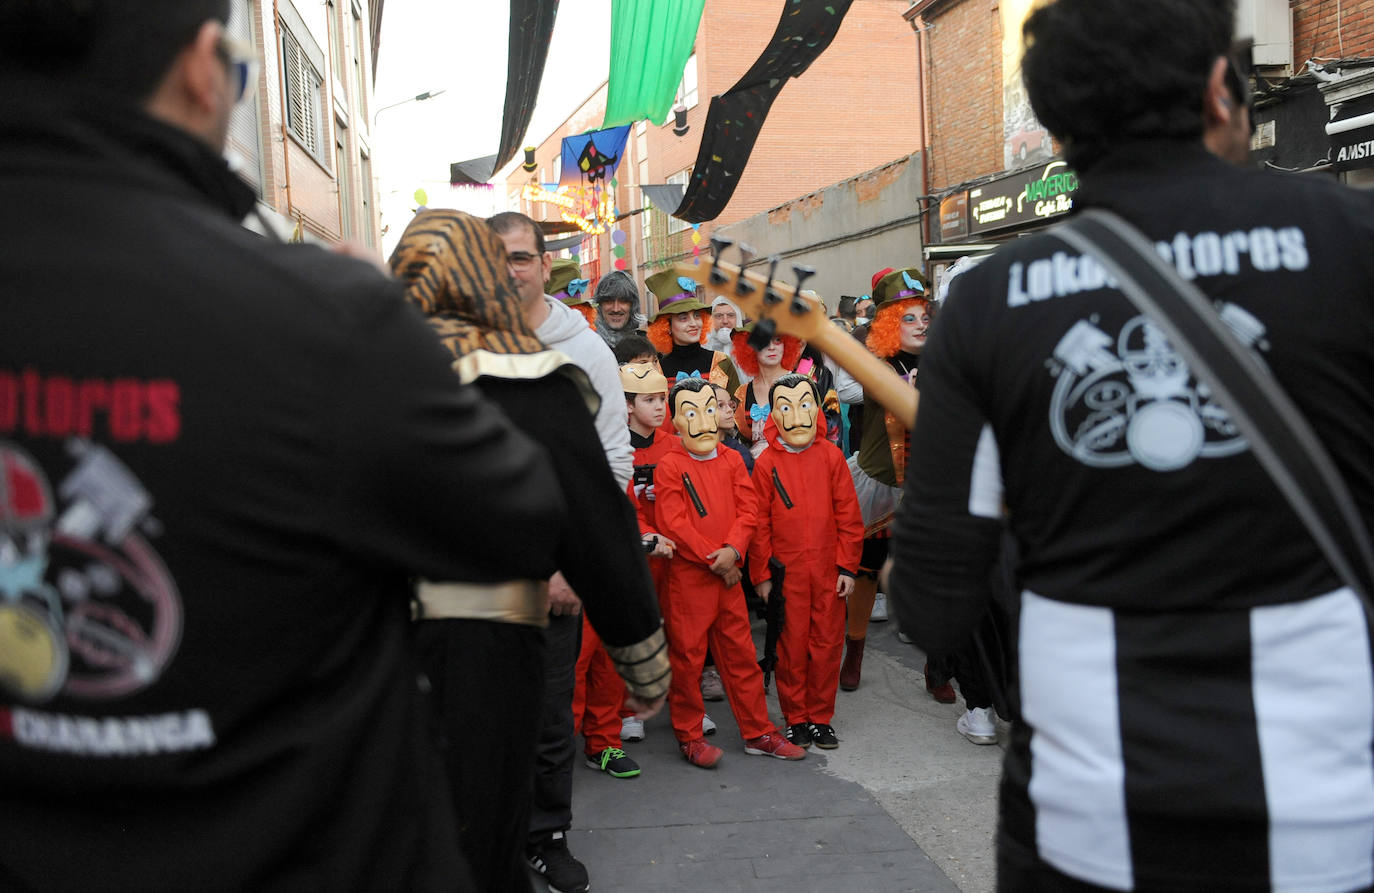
(878, 378)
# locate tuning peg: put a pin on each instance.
(764, 332)
(718, 244)
(770, 294)
(799, 304)
(743, 287)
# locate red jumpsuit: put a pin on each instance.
(597, 699)
(699, 606)
(815, 537)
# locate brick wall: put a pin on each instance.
(1315, 33)
(963, 42)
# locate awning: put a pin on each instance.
(665, 197)
(956, 250)
(1351, 132)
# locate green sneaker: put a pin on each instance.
(614, 762)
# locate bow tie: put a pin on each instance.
(683, 376)
(759, 411)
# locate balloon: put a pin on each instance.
(421, 197)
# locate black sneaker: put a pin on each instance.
(557, 867)
(824, 736)
(614, 762)
(799, 734)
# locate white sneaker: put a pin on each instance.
(631, 729)
(879, 609)
(707, 726)
(904, 638)
(978, 725)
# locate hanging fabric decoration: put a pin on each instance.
(586, 186)
(531, 29)
(651, 41)
(735, 117)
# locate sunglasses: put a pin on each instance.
(242, 62)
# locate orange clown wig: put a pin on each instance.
(747, 359)
(885, 333)
(662, 338)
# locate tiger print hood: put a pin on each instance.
(454, 270)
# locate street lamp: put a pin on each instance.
(418, 97)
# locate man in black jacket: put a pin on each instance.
(223, 459)
(1196, 686)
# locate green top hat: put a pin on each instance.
(565, 282)
(676, 294)
(900, 284)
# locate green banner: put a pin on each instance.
(650, 43)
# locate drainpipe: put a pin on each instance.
(921, 54)
(281, 100)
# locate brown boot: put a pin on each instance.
(853, 663)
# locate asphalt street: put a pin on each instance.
(904, 804)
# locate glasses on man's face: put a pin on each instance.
(521, 260)
(242, 62)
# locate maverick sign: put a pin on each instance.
(1025, 197)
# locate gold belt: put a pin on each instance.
(515, 601)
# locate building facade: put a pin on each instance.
(302, 140)
(854, 110)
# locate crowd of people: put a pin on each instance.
(285, 536)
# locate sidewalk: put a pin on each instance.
(904, 804)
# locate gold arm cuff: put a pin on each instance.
(479, 363)
(516, 601)
(644, 665)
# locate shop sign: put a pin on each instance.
(954, 216)
(1026, 197)
(1352, 134)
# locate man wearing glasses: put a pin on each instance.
(562, 328)
(222, 460)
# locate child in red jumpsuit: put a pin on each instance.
(705, 505)
(598, 713)
(809, 522)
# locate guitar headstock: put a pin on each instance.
(777, 308)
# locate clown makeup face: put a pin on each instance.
(771, 355)
(725, 404)
(723, 316)
(794, 412)
(685, 327)
(647, 412)
(914, 322)
(694, 418)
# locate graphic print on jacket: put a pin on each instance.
(1132, 398)
(87, 607)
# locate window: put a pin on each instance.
(368, 217)
(557, 169)
(336, 45)
(303, 95)
(675, 225)
(341, 178)
(359, 61)
(687, 90)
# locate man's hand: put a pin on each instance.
(562, 600)
(644, 709)
(844, 584)
(764, 589)
(731, 577)
(724, 559)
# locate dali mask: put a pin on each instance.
(694, 418)
(794, 412)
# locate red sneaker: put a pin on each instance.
(699, 753)
(774, 745)
(944, 692)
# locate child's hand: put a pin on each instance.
(723, 559)
(764, 589)
(844, 584)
